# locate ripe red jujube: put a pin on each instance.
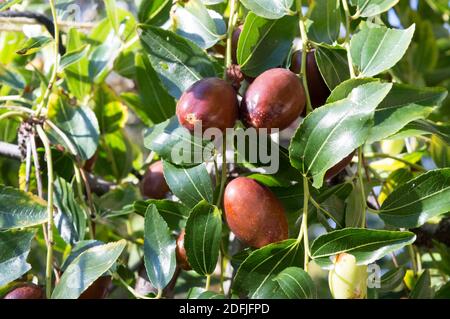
(274, 100)
(318, 90)
(98, 289)
(234, 42)
(26, 291)
(212, 101)
(253, 213)
(339, 167)
(153, 184)
(181, 252)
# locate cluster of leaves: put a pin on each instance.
(394, 110)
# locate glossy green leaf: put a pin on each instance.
(416, 201)
(333, 65)
(154, 11)
(79, 123)
(323, 138)
(14, 250)
(422, 289)
(326, 20)
(176, 144)
(34, 44)
(392, 279)
(264, 44)
(134, 102)
(296, 283)
(440, 152)
(158, 104)
(355, 208)
(78, 249)
(110, 112)
(255, 275)
(20, 209)
(159, 249)
(111, 12)
(393, 181)
(269, 9)
(376, 48)
(370, 8)
(86, 268)
(367, 245)
(72, 57)
(102, 57)
(174, 213)
(71, 220)
(202, 238)
(424, 127)
(77, 74)
(190, 185)
(193, 21)
(11, 78)
(177, 61)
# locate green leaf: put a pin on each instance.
(424, 127)
(370, 8)
(102, 57)
(134, 102)
(323, 139)
(178, 62)
(71, 218)
(202, 238)
(5, 5)
(190, 185)
(255, 275)
(110, 112)
(393, 181)
(14, 250)
(111, 12)
(78, 123)
(78, 249)
(376, 48)
(296, 283)
(264, 44)
(333, 65)
(72, 57)
(176, 144)
(422, 289)
(193, 21)
(86, 268)
(159, 249)
(154, 11)
(440, 152)
(158, 104)
(34, 44)
(269, 9)
(326, 20)
(416, 201)
(355, 208)
(174, 213)
(392, 279)
(77, 74)
(210, 295)
(11, 78)
(19, 209)
(367, 245)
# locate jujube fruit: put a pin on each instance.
(212, 101)
(253, 213)
(98, 289)
(26, 291)
(318, 90)
(181, 252)
(336, 169)
(234, 42)
(153, 184)
(274, 100)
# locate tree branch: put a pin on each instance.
(10, 150)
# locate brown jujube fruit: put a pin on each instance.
(98, 289)
(181, 252)
(212, 101)
(339, 167)
(234, 42)
(26, 291)
(90, 163)
(274, 100)
(253, 213)
(153, 184)
(318, 90)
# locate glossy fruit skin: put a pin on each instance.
(339, 167)
(26, 291)
(274, 100)
(153, 184)
(212, 101)
(234, 42)
(253, 213)
(181, 252)
(318, 90)
(98, 289)
(90, 163)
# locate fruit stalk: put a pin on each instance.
(234, 7)
(304, 225)
(56, 61)
(304, 37)
(49, 264)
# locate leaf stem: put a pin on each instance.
(52, 81)
(208, 282)
(223, 178)
(11, 114)
(347, 39)
(361, 185)
(49, 264)
(305, 40)
(303, 234)
(234, 7)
